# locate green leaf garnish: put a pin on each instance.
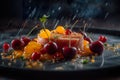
(105, 44)
(85, 61)
(43, 19)
(21, 57)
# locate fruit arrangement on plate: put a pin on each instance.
(55, 45)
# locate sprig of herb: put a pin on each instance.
(43, 20)
(22, 58)
(85, 61)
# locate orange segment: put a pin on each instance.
(87, 50)
(60, 29)
(44, 33)
(18, 53)
(32, 46)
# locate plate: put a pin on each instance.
(66, 70)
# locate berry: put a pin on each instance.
(102, 39)
(88, 39)
(17, 44)
(42, 51)
(69, 52)
(35, 56)
(83, 33)
(68, 31)
(51, 47)
(60, 29)
(6, 46)
(26, 40)
(97, 47)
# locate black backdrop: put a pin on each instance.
(25, 8)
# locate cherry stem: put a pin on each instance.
(85, 27)
(45, 31)
(32, 30)
(74, 24)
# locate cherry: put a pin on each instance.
(69, 52)
(102, 39)
(88, 39)
(26, 40)
(68, 31)
(97, 47)
(51, 47)
(83, 33)
(43, 51)
(17, 44)
(6, 46)
(35, 56)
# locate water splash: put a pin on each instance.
(80, 8)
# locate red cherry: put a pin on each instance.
(97, 47)
(88, 39)
(35, 56)
(68, 31)
(102, 39)
(69, 52)
(6, 46)
(43, 51)
(26, 40)
(17, 44)
(51, 47)
(83, 33)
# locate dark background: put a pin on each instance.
(98, 13)
(68, 8)
(13, 10)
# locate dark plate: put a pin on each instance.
(71, 71)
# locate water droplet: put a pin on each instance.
(30, 1)
(53, 11)
(74, 17)
(106, 4)
(56, 24)
(77, 11)
(59, 8)
(106, 15)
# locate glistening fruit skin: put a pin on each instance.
(97, 47)
(26, 40)
(102, 39)
(6, 46)
(88, 39)
(83, 33)
(51, 47)
(68, 31)
(69, 52)
(35, 56)
(17, 44)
